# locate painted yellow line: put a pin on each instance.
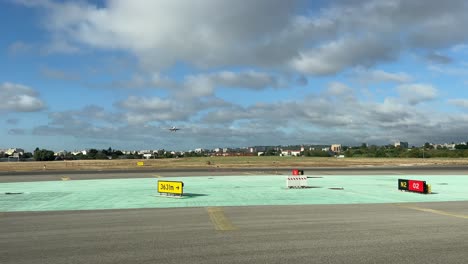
(158, 176)
(219, 219)
(65, 178)
(428, 210)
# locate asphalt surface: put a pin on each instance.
(183, 172)
(364, 233)
(388, 233)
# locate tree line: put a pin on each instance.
(387, 151)
(48, 155)
(95, 154)
(363, 151)
(390, 151)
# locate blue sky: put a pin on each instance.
(117, 73)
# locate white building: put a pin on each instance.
(84, 152)
(12, 151)
(288, 152)
(147, 155)
(60, 153)
(445, 145)
(199, 150)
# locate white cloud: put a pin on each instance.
(438, 58)
(261, 33)
(19, 98)
(163, 32)
(247, 80)
(449, 27)
(336, 56)
(256, 46)
(206, 84)
(196, 86)
(146, 104)
(377, 76)
(389, 113)
(417, 93)
(459, 102)
(318, 117)
(339, 89)
(142, 81)
(141, 110)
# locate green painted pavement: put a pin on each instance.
(222, 191)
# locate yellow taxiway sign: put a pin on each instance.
(172, 187)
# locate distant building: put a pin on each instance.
(445, 145)
(199, 150)
(60, 153)
(148, 155)
(401, 144)
(336, 148)
(12, 151)
(257, 149)
(84, 152)
(145, 151)
(288, 152)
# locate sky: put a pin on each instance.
(118, 73)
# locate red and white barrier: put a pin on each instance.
(296, 181)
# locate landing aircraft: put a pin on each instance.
(174, 129)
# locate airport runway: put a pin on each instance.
(384, 233)
(430, 232)
(183, 172)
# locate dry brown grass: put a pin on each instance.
(225, 162)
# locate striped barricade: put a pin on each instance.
(296, 181)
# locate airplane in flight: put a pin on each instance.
(173, 129)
